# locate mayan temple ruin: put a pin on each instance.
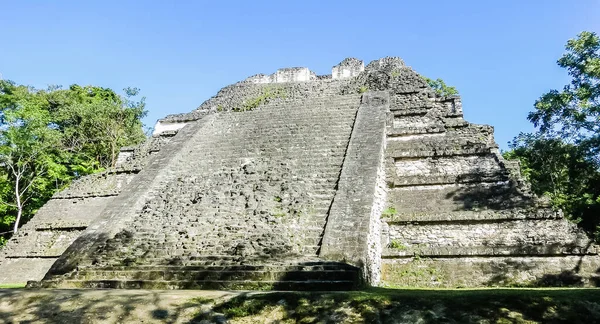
(298, 181)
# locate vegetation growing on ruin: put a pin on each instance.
(50, 137)
(395, 244)
(389, 212)
(267, 94)
(440, 87)
(562, 158)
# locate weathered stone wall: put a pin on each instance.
(527, 232)
(501, 270)
(165, 126)
(295, 74)
(376, 229)
(348, 68)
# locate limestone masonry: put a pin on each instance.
(300, 181)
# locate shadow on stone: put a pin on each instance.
(478, 192)
(567, 278)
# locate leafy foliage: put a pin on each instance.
(563, 173)
(440, 87)
(573, 114)
(49, 137)
(562, 158)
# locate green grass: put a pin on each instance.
(383, 305)
(13, 285)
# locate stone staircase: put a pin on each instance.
(245, 206)
(306, 275)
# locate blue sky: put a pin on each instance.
(501, 55)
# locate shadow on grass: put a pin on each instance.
(100, 306)
(377, 305)
(412, 306)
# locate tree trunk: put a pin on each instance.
(19, 213)
(19, 206)
(113, 157)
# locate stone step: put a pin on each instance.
(291, 111)
(395, 132)
(402, 111)
(410, 148)
(294, 105)
(457, 197)
(486, 215)
(299, 275)
(340, 119)
(249, 265)
(477, 251)
(220, 275)
(319, 139)
(484, 176)
(216, 262)
(311, 285)
(310, 152)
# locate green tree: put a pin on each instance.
(440, 87)
(573, 114)
(561, 160)
(28, 150)
(49, 137)
(96, 122)
(562, 172)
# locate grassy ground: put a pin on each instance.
(12, 285)
(371, 306)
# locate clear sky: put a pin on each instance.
(501, 55)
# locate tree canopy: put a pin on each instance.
(50, 137)
(561, 159)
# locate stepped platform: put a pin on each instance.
(307, 275)
(294, 181)
(459, 215)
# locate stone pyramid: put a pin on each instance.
(299, 181)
